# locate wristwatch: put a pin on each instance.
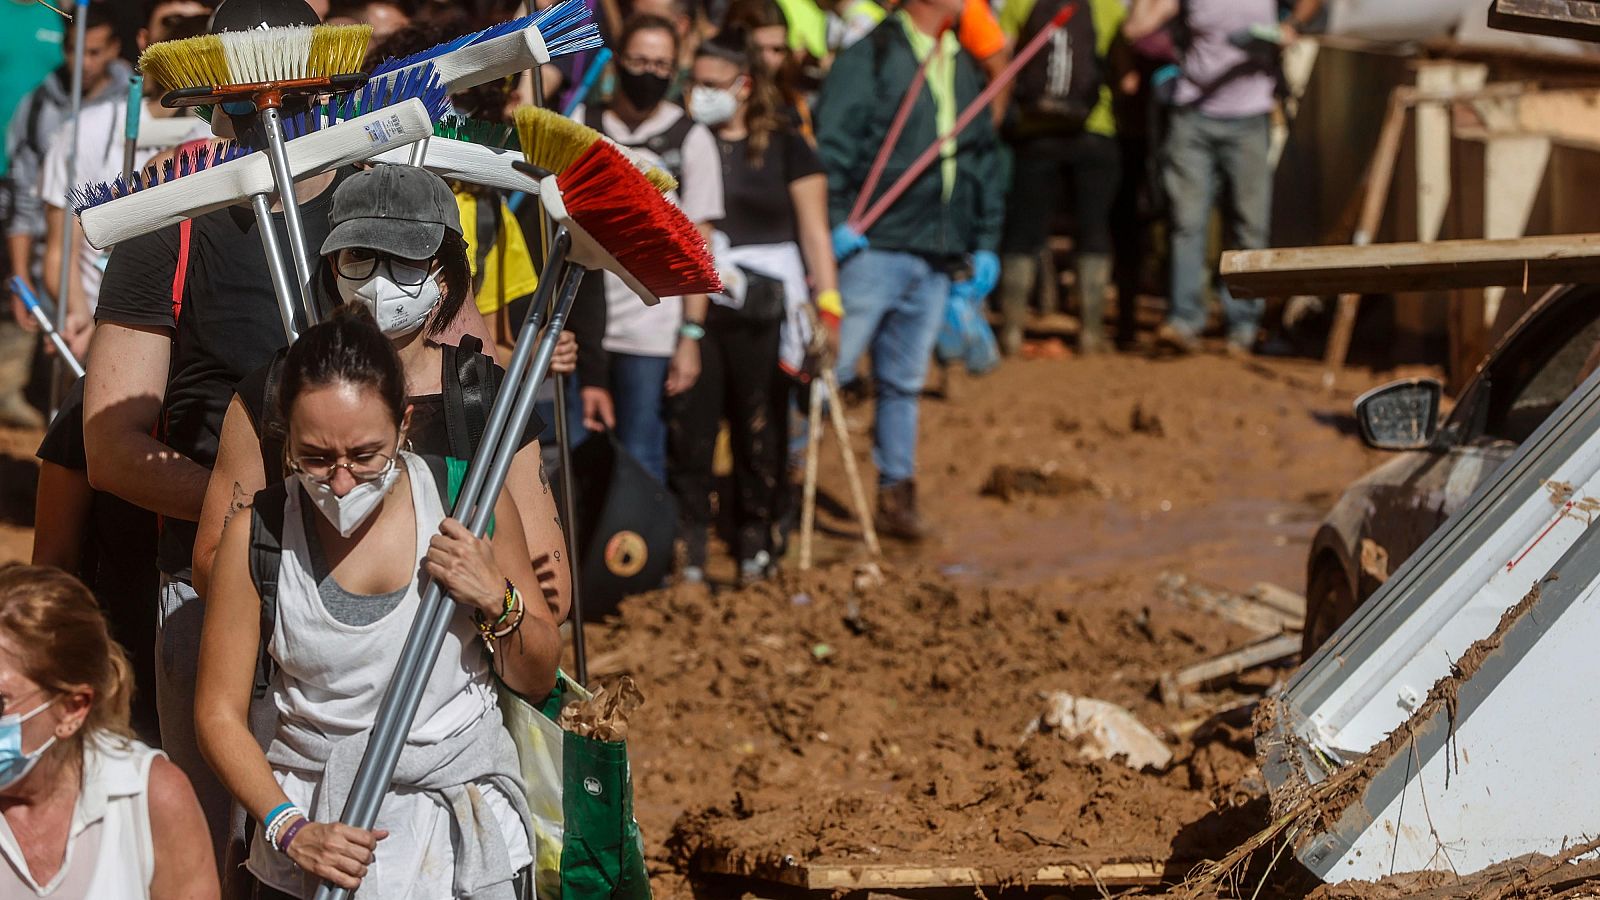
(694, 331)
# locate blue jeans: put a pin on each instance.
(638, 391)
(893, 306)
(1207, 161)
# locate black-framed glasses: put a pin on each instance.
(358, 264)
(363, 467)
(638, 66)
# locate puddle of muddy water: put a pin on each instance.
(1234, 542)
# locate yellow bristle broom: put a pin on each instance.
(246, 58)
(554, 142)
(262, 67)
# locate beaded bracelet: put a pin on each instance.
(281, 816)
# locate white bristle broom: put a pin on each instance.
(253, 177)
(264, 67)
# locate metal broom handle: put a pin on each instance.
(69, 246)
(271, 120)
(569, 502)
(512, 410)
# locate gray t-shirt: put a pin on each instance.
(1220, 78)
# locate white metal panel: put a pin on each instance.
(1380, 691)
(1519, 773)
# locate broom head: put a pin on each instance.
(619, 222)
(554, 142)
(259, 56)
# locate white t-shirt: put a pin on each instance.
(632, 327)
(101, 145)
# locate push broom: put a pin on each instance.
(608, 216)
(265, 67)
(215, 176)
(505, 49)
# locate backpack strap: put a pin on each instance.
(180, 275)
(273, 431)
(470, 387)
(266, 553)
(440, 468)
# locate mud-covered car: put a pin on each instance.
(1385, 516)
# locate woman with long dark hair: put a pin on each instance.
(773, 236)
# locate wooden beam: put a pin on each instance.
(1417, 266)
(848, 876)
(1576, 19)
(1248, 610)
(1174, 684)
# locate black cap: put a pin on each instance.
(248, 15)
(399, 210)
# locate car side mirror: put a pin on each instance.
(1401, 415)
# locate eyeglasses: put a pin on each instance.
(638, 66)
(358, 264)
(363, 467)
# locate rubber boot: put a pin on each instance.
(1018, 272)
(1094, 276)
(16, 366)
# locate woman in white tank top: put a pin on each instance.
(85, 810)
(363, 521)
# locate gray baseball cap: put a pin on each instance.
(399, 210)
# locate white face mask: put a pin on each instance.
(712, 106)
(400, 310)
(347, 513)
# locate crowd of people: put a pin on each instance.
(240, 507)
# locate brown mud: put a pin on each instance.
(811, 718)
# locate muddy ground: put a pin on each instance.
(815, 718)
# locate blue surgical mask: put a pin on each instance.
(14, 763)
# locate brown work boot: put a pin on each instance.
(897, 512)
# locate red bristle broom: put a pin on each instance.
(621, 223)
(860, 223)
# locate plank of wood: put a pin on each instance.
(1228, 664)
(1576, 19)
(1380, 178)
(1413, 266)
(1280, 598)
(847, 876)
(1237, 608)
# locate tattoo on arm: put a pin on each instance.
(544, 479)
(240, 501)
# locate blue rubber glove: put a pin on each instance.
(846, 242)
(985, 272)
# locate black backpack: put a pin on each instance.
(1059, 87)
